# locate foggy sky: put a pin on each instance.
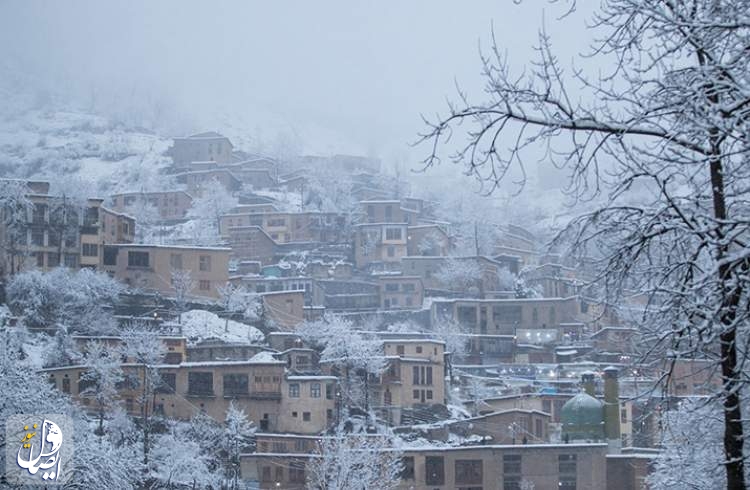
(362, 71)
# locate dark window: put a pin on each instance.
(168, 383)
(138, 259)
(407, 468)
(37, 238)
(201, 384)
(567, 467)
(266, 474)
(512, 472)
(37, 214)
(85, 382)
(315, 390)
(39, 259)
(204, 263)
(53, 259)
(306, 416)
(329, 391)
(235, 384)
(391, 287)
(110, 255)
(297, 472)
(71, 260)
(90, 250)
(469, 471)
(294, 390)
(66, 384)
(434, 470)
(400, 350)
(279, 473)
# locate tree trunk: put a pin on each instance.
(733, 431)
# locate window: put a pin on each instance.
(552, 316)
(306, 416)
(53, 259)
(469, 472)
(567, 467)
(512, 472)
(39, 256)
(53, 239)
(415, 394)
(109, 256)
(315, 390)
(204, 285)
(235, 384)
(90, 250)
(279, 473)
(388, 212)
(266, 474)
(422, 375)
(434, 470)
(507, 314)
(391, 251)
(201, 384)
(393, 233)
(624, 416)
(400, 350)
(429, 394)
(66, 384)
(297, 472)
(175, 261)
(38, 212)
(409, 287)
(168, 383)
(294, 390)
(70, 260)
(407, 468)
(204, 263)
(329, 391)
(391, 287)
(37, 238)
(138, 259)
(370, 212)
(419, 349)
(276, 222)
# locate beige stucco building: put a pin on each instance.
(150, 267)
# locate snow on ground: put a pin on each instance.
(198, 325)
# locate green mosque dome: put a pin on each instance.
(582, 417)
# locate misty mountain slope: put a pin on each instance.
(47, 144)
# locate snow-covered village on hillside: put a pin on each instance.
(544, 290)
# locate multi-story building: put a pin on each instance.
(201, 147)
(541, 466)
(388, 211)
(380, 244)
(273, 400)
(289, 227)
(150, 267)
(413, 380)
(46, 231)
(252, 243)
(400, 292)
(429, 268)
(427, 240)
(170, 205)
(196, 181)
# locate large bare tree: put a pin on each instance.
(658, 144)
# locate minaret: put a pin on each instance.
(612, 408)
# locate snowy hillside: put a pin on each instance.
(46, 144)
(200, 325)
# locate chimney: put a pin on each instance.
(611, 405)
(587, 380)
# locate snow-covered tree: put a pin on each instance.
(431, 244)
(182, 285)
(460, 274)
(147, 219)
(178, 463)
(692, 452)
(102, 376)
(237, 299)
(657, 147)
(358, 355)
(61, 296)
(238, 432)
(354, 461)
(453, 334)
(14, 209)
(143, 347)
(214, 201)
